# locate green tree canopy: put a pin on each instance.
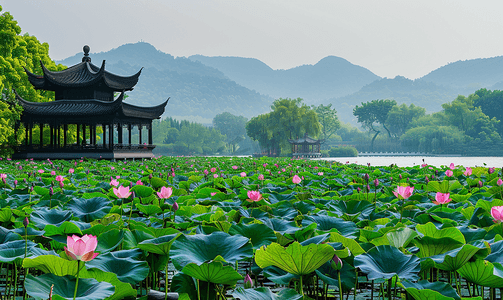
(374, 112)
(289, 119)
(400, 116)
(233, 127)
(18, 51)
(327, 116)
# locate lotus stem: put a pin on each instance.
(76, 282)
(389, 288)
(301, 288)
(15, 280)
(166, 282)
(198, 290)
(340, 284)
(356, 282)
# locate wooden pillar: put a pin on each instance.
(84, 134)
(26, 134)
(119, 133)
(94, 135)
(129, 127)
(111, 136)
(65, 130)
(104, 128)
(139, 133)
(150, 138)
(31, 133)
(41, 134)
(78, 134)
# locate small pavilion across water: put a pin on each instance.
(306, 147)
(85, 99)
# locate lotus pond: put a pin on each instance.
(249, 228)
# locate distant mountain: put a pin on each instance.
(196, 90)
(403, 90)
(330, 77)
(469, 75)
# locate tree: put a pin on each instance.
(289, 119)
(328, 120)
(400, 116)
(375, 111)
(18, 51)
(491, 104)
(233, 127)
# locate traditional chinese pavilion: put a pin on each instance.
(306, 147)
(85, 100)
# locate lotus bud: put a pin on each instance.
(491, 170)
(366, 177)
(51, 191)
(358, 189)
(15, 183)
(248, 283)
(150, 176)
(400, 176)
(376, 182)
(336, 263)
(61, 184)
(25, 181)
(26, 222)
(480, 184)
(31, 189)
(368, 188)
(175, 207)
(426, 179)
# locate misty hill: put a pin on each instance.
(330, 77)
(469, 75)
(195, 89)
(403, 90)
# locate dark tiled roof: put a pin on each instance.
(83, 74)
(79, 108)
(90, 107)
(153, 112)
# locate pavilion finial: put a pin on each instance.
(86, 57)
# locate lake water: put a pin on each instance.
(410, 161)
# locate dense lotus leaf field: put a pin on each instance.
(249, 228)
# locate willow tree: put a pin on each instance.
(289, 119)
(16, 53)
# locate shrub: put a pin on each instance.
(345, 151)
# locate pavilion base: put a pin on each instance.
(306, 155)
(119, 152)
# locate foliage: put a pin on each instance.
(233, 127)
(400, 116)
(289, 119)
(344, 151)
(375, 112)
(327, 116)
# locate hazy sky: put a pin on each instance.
(389, 37)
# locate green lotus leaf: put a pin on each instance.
(66, 228)
(134, 237)
(200, 248)
(52, 264)
(295, 259)
(483, 273)
(425, 290)
(430, 230)
(454, 259)
(127, 269)
(44, 216)
(259, 234)
(142, 191)
(214, 272)
(88, 210)
(472, 234)
(329, 275)
(149, 209)
(281, 226)
(14, 251)
(278, 276)
(304, 233)
(123, 290)
(185, 285)
(316, 239)
(429, 246)
(496, 253)
(264, 293)
(9, 236)
(109, 240)
(444, 186)
(397, 238)
(353, 207)
(351, 244)
(88, 289)
(326, 223)
(160, 245)
(384, 262)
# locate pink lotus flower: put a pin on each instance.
(114, 182)
(165, 192)
(213, 194)
(122, 192)
(442, 198)
(261, 177)
(215, 175)
(235, 167)
(468, 171)
(449, 173)
(242, 174)
(213, 170)
(499, 182)
(296, 179)
(320, 173)
(254, 196)
(81, 248)
(403, 192)
(452, 166)
(139, 182)
(3, 176)
(71, 171)
(497, 213)
(40, 171)
(205, 172)
(247, 283)
(53, 173)
(60, 178)
(491, 170)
